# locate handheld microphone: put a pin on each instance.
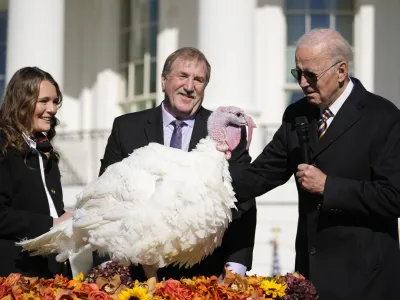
(301, 126)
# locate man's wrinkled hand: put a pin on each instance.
(311, 179)
(223, 147)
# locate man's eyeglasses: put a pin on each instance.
(308, 75)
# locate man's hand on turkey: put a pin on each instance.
(223, 147)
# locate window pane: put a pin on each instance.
(125, 13)
(3, 45)
(139, 12)
(319, 4)
(290, 63)
(124, 47)
(153, 76)
(319, 21)
(2, 84)
(344, 24)
(293, 96)
(295, 4)
(3, 27)
(296, 27)
(139, 74)
(125, 77)
(146, 39)
(153, 39)
(3, 51)
(153, 11)
(138, 44)
(139, 30)
(144, 13)
(343, 4)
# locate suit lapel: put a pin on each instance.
(344, 120)
(312, 129)
(200, 128)
(348, 115)
(154, 127)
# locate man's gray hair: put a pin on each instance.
(338, 48)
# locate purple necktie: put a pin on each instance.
(176, 139)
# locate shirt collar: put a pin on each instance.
(334, 108)
(31, 143)
(168, 118)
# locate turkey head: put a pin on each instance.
(224, 126)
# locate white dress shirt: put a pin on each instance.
(334, 108)
(187, 128)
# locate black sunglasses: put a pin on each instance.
(308, 75)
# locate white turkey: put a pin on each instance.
(159, 206)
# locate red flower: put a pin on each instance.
(99, 295)
(61, 281)
(4, 290)
(85, 289)
(170, 286)
(183, 293)
(12, 279)
(47, 294)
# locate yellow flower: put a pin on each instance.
(272, 288)
(136, 292)
(79, 277)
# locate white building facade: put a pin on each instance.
(108, 55)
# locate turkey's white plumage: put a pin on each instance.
(149, 210)
(159, 206)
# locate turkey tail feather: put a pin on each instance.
(58, 240)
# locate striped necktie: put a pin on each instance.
(322, 123)
(176, 138)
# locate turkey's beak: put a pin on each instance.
(250, 125)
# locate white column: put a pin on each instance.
(226, 31)
(167, 39)
(270, 55)
(364, 44)
(36, 36)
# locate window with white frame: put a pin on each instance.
(305, 15)
(139, 28)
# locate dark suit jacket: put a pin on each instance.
(135, 130)
(25, 213)
(347, 240)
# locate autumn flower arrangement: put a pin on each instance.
(107, 285)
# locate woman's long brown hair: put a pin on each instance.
(17, 109)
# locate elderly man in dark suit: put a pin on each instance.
(349, 192)
(180, 122)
